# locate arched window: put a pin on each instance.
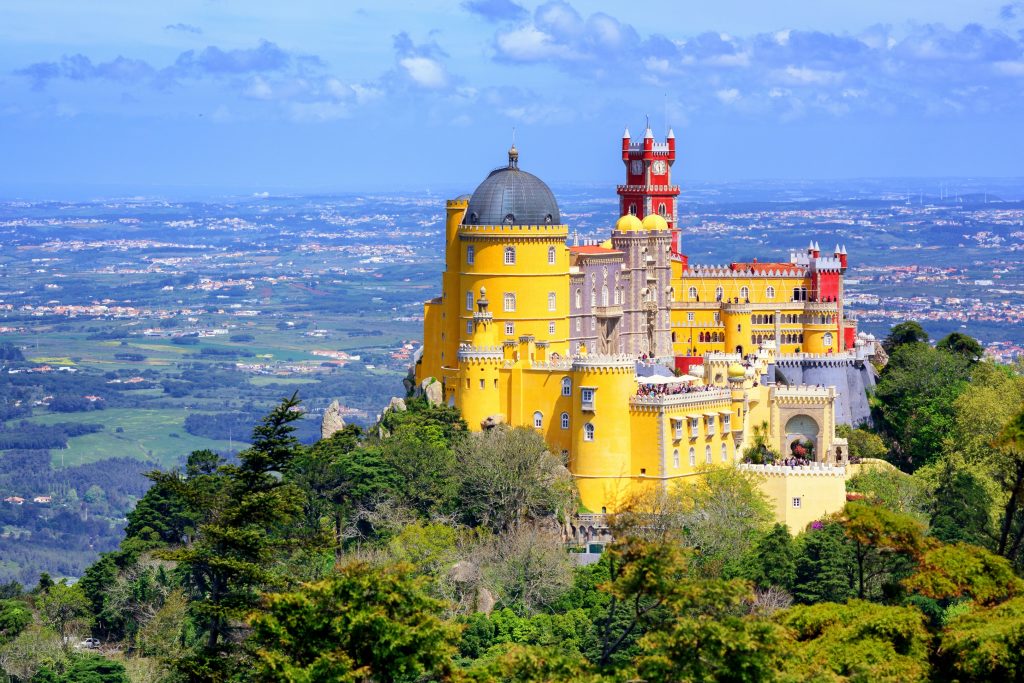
(552, 300)
(796, 294)
(675, 458)
(604, 295)
(538, 420)
(744, 293)
(725, 452)
(769, 293)
(510, 256)
(593, 297)
(693, 457)
(719, 293)
(566, 386)
(827, 339)
(551, 256)
(663, 210)
(579, 299)
(470, 254)
(510, 302)
(692, 293)
(565, 420)
(588, 432)
(632, 209)
(618, 297)
(707, 454)
(469, 301)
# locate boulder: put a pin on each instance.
(484, 600)
(332, 421)
(492, 421)
(432, 391)
(397, 405)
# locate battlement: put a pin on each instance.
(716, 271)
(688, 399)
(803, 391)
(615, 362)
(824, 359)
(468, 352)
(814, 469)
(647, 188)
(506, 231)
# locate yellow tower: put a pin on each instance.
(602, 440)
(480, 360)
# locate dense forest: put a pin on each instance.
(418, 551)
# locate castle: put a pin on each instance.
(639, 367)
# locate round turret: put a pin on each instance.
(654, 222)
(736, 371)
(629, 223)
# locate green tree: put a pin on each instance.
(1008, 465)
(760, 450)
(772, 560)
(508, 475)
(984, 644)
(825, 568)
(962, 345)
(93, 669)
(892, 489)
(862, 443)
(909, 332)
(363, 623)
(723, 514)
(882, 543)
(914, 401)
(960, 506)
(857, 641)
(64, 608)
(15, 616)
(229, 563)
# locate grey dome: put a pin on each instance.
(512, 197)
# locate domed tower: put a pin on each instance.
(512, 242)
(647, 245)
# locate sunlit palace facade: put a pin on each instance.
(638, 366)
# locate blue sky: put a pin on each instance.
(209, 96)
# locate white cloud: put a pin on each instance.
(728, 95)
(425, 71)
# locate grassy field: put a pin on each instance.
(146, 435)
(266, 380)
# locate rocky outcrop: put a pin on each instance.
(332, 421)
(397, 405)
(492, 421)
(432, 391)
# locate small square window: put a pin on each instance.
(469, 327)
(689, 317)
(551, 328)
(796, 502)
(510, 329)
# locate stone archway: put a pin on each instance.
(800, 428)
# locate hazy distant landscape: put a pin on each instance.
(149, 328)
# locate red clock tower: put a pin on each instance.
(649, 187)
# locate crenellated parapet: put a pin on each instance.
(610, 363)
(479, 354)
(695, 400)
(712, 271)
(814, 469)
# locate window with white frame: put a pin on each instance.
(510, 256)
(566, 386)
(469, 301)
(579, 299)
(551, 256)
(744, 292)
(588, 432)
(719, 293)
(689, 317)
(796, 502)
(510, 329)
(726, 423)
(510, 302)
(827, 339)
(470, 255)
(593, 297)
(692, 292)
(677, 426)
(552, 301)
(710, 425)
(725, 452)
(469, 327)
(587, 398)
(707, 454)
(675, 458)
(769, 293)
(694, 427)
(693, 457)
(565, 420)
(538, 420)
(551, 328)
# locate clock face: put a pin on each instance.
(637, 167)
(659, 168)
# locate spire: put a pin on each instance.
(626, 134)
(513, 157)
(671, 135)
